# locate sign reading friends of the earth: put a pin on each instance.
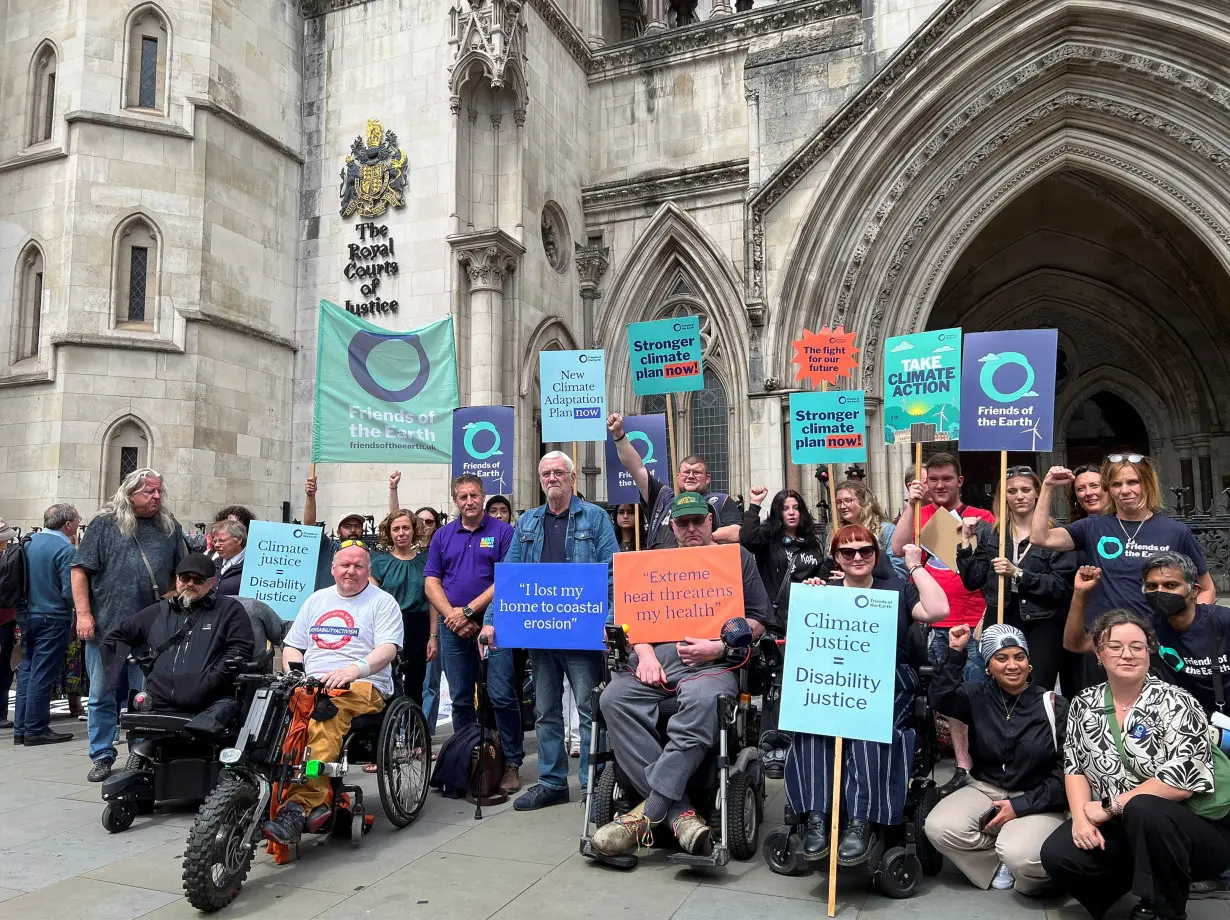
(1008, 381)
(374, 175)
(922, 387)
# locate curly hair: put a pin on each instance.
(1101, 627)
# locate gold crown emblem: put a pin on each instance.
(375, 132)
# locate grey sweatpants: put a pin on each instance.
(630, 710)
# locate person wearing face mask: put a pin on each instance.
(993, 828)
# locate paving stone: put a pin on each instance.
(22, 825)
(19, 793)
(48, 860)
(264, 900)
(85, 899)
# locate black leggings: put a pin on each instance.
(7, 636)
(1156, 849)
(413, 656)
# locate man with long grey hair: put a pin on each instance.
(126, 562)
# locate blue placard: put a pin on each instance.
(828, 427)
(279, 565)
(573, 387)
(483, 446)
(1008, 379)
(666, 356)
(841, 662)
(558, 605)
(648, 435)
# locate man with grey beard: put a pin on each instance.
(126, 561)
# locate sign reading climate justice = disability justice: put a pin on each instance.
(840, 670)
(279, 566)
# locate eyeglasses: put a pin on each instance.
(1130, 458)
(1020, 471)
(850, 553)
(1171, 657)
(1118, 649)
(554, 474)
(348, 543)
(189, 579)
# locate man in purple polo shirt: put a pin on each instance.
(460, 582)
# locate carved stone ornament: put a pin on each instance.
(374, 175)
(488, 257)
(592, 263)
(555, 236)
(488, 39)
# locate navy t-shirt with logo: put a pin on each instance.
(1195, 647)
(1120, 548)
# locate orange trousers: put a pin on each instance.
(324, 740)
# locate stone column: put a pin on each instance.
(656, 18)
(488, 258)
(595, 38)
(592, 262)
(753, 139)
(720, 8)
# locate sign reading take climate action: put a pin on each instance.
(666, 356)
(922, 387)
(483, 446)
(381, 396)
(665, 595)
(840, 669)
(573, 385)
(647, 433)
(1008, 380)
(279, 565)
(551, 605)
(828, 427)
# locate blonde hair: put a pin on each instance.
(870, 514)
(1150, 487)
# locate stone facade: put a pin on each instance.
(576, 165)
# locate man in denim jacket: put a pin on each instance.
(565, 529)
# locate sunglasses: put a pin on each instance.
(850, 553)
(189, 579)
(1120, 458)
(1019, 471)
(359, 543)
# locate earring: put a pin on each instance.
(986, 671)
(1031, 668)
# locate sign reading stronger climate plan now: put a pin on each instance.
(666, 356)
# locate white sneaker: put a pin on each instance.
(574, 748)
(1003, 879)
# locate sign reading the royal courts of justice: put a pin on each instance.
(373, 181)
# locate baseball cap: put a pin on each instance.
(353, 516)
(197, 564)
(689, 504)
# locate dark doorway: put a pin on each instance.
(1103, 424)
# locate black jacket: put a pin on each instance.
(773, 564)
(1044, 589)
(191, 674)
(230, 583)
(1017, 753)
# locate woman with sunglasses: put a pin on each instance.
(785, 546)
(875, 775)
(857, 504)
(1149, 802)
(1131, 530)
(1037, 582)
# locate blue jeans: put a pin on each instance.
(975, 665)
(431, 692)
(461, 667)
(105, 704)
(43, 644)
(584, 671)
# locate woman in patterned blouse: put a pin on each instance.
(1130, 829)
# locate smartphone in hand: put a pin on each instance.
(987, 817)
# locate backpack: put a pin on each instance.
(14, 575)
(458, 772)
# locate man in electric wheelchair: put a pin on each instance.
(693, 674)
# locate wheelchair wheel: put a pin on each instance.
(117, 817)
(778, 856)
(219, 852)
(603, 799)
(932, 860)
(403, 761)
(356, 826)
(743, 823)
(899, 874)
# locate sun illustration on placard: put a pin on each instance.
(825, 355)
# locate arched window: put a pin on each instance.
(125, 448)
(42, 94)
(29, 299)
(708, 428)
(136, 274)
(146, 80)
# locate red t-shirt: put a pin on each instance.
(964, 607)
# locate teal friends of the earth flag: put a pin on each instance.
(382, 396)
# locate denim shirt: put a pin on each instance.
(591, 538)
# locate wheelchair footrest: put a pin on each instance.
(621, 861)
(719, 857)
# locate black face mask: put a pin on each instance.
(1165, 603)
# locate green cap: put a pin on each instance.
(689, 504)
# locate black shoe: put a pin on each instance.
(959, 779)
(856, 843)
(6, 723)
(101, 769)
(1144, 910)
(48, 737)
(816, 840)
(540, 796)
(287, 827)
(19, 739)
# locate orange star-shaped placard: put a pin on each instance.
(825, 355)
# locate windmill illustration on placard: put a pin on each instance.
(1035, 433)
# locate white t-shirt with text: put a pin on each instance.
(334, 631)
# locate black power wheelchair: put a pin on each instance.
(727, 790)
(901, 854)
(259, 768)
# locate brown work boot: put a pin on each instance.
(624, 834)
(511, 781)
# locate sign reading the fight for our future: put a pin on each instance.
(1009, 383)
(922, 387)
(666, 356)
(279, 565)
(665, 595)
(553, 605)
(828, 427)
(381, 396)
(825, 356)
(841, 661)
(573, 387)
(647, 433)
(483, 446)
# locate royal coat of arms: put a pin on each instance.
(374, 177)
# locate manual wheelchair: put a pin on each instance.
(259, 768)
(727, 790)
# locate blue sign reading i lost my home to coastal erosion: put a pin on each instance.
(483, 446)
(1008, 380)
(553, 605)
(841, 662)
(573, 387)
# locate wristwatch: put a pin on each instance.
(467, 611)
(1110, 804)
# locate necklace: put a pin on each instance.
(1131, 538)
(1004, 703)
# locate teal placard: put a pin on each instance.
(666, 356)
(922, 387)
(573, 392)
(382, 396)
(828, 427)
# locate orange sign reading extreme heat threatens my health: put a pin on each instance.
(824, 356)
(666, 595)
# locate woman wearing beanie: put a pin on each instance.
(993, 828)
